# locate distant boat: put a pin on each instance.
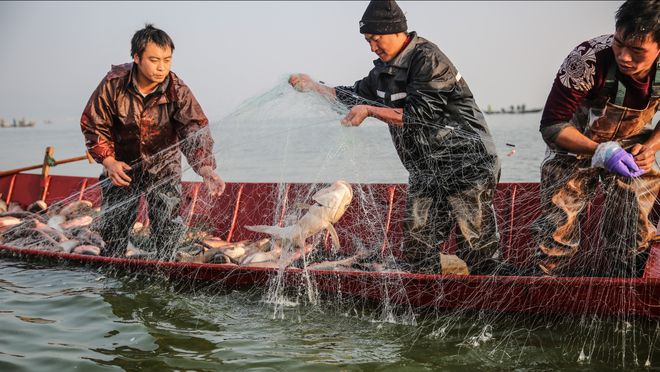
(22, 123)
(513, 110)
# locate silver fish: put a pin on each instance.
(15, 207)
(3, 205)
(37, 207)
(77, 222)
(89, 250)
(56, 221)
(332, 202)
(69, 245)
(8, 221)
(77, 209)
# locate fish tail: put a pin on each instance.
(280, 232)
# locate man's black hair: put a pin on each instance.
(149, 34)
(638, 18)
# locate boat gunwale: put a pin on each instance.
(125, 261)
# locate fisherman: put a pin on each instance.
(597, 123)
(440, 136)
(136, 123)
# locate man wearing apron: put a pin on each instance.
(597, 123)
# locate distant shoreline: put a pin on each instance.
(512, 113)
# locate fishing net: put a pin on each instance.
(283, 153)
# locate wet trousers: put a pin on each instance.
(120, 208)
(432, 211)
(567, 186)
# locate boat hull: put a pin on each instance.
(546, 295)
(252, 204)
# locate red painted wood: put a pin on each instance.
(10, 189)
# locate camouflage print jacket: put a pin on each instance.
(118, 121)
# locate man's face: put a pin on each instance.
(155, 63)
(634, 56)
(386, 46)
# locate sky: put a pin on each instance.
(54, 54)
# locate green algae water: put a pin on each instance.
(63, 318)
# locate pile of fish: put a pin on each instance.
(60, 228)
(67, 228)
(288, 244)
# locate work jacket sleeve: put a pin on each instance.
(193, 130)
(363, 92)
(432, 80)
(96, 123)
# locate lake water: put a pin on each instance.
(55, 317)
(286, 136)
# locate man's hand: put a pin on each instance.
(356, 116)
(611, 156)
(302, 83)
(212, 180)
(644, 156)
(115, 171)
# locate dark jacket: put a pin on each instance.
(118, 121)
(442, 124)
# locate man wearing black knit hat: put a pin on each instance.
(440, 136)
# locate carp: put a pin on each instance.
(15, 207)
(89, 250)
(77, 209)
(39, 206)
(8, 221)
(77, 222)
(332, 202)
(341, 265)
(213, 255)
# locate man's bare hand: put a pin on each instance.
(214, 183)
(356, 116)
(115, 170)
(303, 83)
(644, 156)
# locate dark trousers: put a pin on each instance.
(120, 208)
(431, 211)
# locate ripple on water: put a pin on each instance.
(59, 318)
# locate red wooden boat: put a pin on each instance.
(380, 205)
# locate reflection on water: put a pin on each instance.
(100, 320)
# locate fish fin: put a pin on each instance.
(286, 232)
(299, 242)
(334, 236)
(325, 199)
(267, 229)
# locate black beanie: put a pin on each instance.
(383, 17)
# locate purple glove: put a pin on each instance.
(622, 163)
